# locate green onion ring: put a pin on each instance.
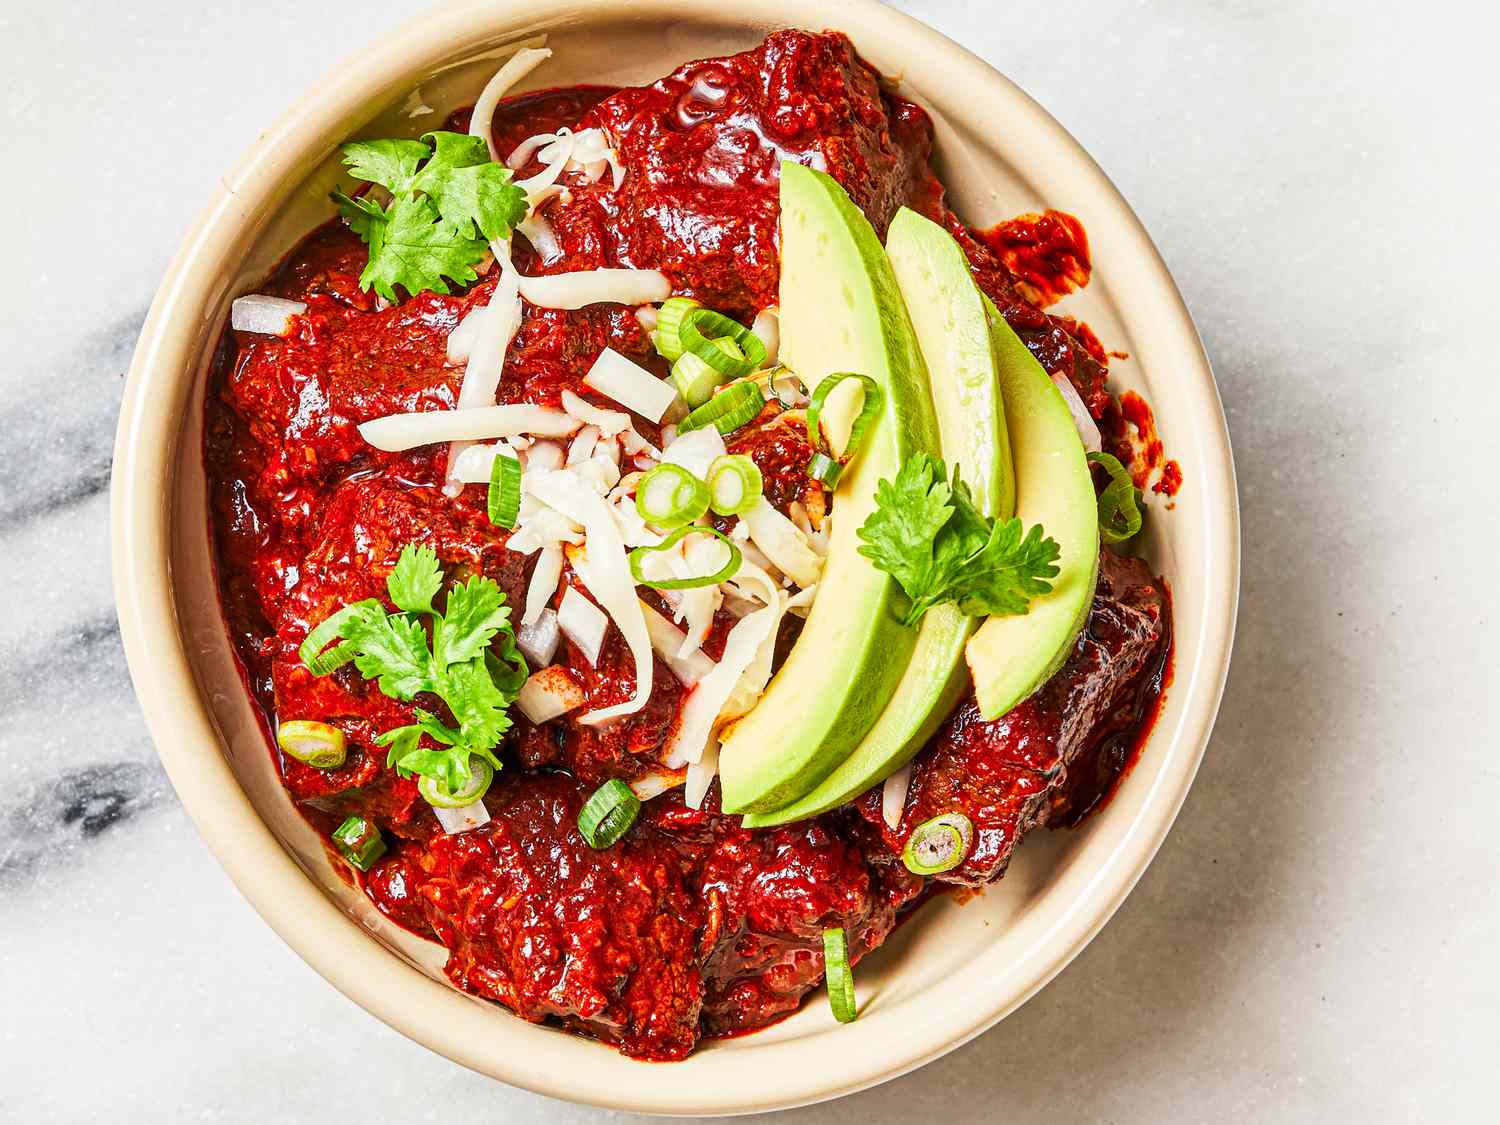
(504, 501)
(667, 337)
(317, 744)
(695, 380)
(734, 484)
(723, 574)
(310, 651)
(703, 330)
(1119, 503)
(839, 978)
(359, 842)
(608, 814)
(939, 844)
(728, 410)
(436, 793)
(825, 470)
(868, 411)
(669, 496)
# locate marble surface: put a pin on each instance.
(1315, 941)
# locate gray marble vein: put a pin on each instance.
(1315, 941)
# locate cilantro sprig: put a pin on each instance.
(448, 199)
(927, 534)
(453, 656)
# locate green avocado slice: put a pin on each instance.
(948, 313)
(841, 310)
(1010, 657)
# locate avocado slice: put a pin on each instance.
(1010, 657)
(841, 310)
(948, 313)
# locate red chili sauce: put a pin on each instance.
(690, 926)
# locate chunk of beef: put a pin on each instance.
(602, 941)
(769, 897)
(1001, 774)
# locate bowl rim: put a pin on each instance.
(184, 732)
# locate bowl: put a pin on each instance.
(954, 970)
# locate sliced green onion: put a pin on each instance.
(727, 411)
(1119, 503)
(695, 380)
(669, 323)
(734, 484)
(505, 490)
(310, 651)
(723, 574)
(939, 844)
(436, 793)
(825, 470)
(704, 333)
(783, 386)
(839, 976)
(868, 411)
(359, 842)
(318, 744)
(669, 496)
(608, 814)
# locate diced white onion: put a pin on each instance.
(695, 450)
(646, 317)
(476, 462)
(893, 795)
(638, 446)
(271, 316)
(548, 693)
(782, 542)
(1088, 429)
(609, 422)
(455, 821)
(583, 623)
(767, 326)
(591, 287)
(667, 640)
(517, 67)
(538, 640)
(604, 571)
(655, 783)
(543, 584)
(631, 385)
(397, 432)
(701, 774)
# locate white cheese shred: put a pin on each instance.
(517, 67)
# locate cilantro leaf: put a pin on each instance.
(927, 533)
(391, 164)
(476, 611)
(463, 668)
(416, 250)
(393, 650)
(416, 580)
(448, 200)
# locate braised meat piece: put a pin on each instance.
(603, 941)
(769, 896)
(1001, 774)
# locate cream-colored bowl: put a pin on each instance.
(953, 971)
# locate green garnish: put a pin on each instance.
(939, 844)
(318, 744)
(927, 534)
(503, 502)
(448, 199)
(359, 842)
(459, 666)
(608, 814)
(838, 976)
(1119, 503)
(730, 568)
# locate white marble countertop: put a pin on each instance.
(1315, 941)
